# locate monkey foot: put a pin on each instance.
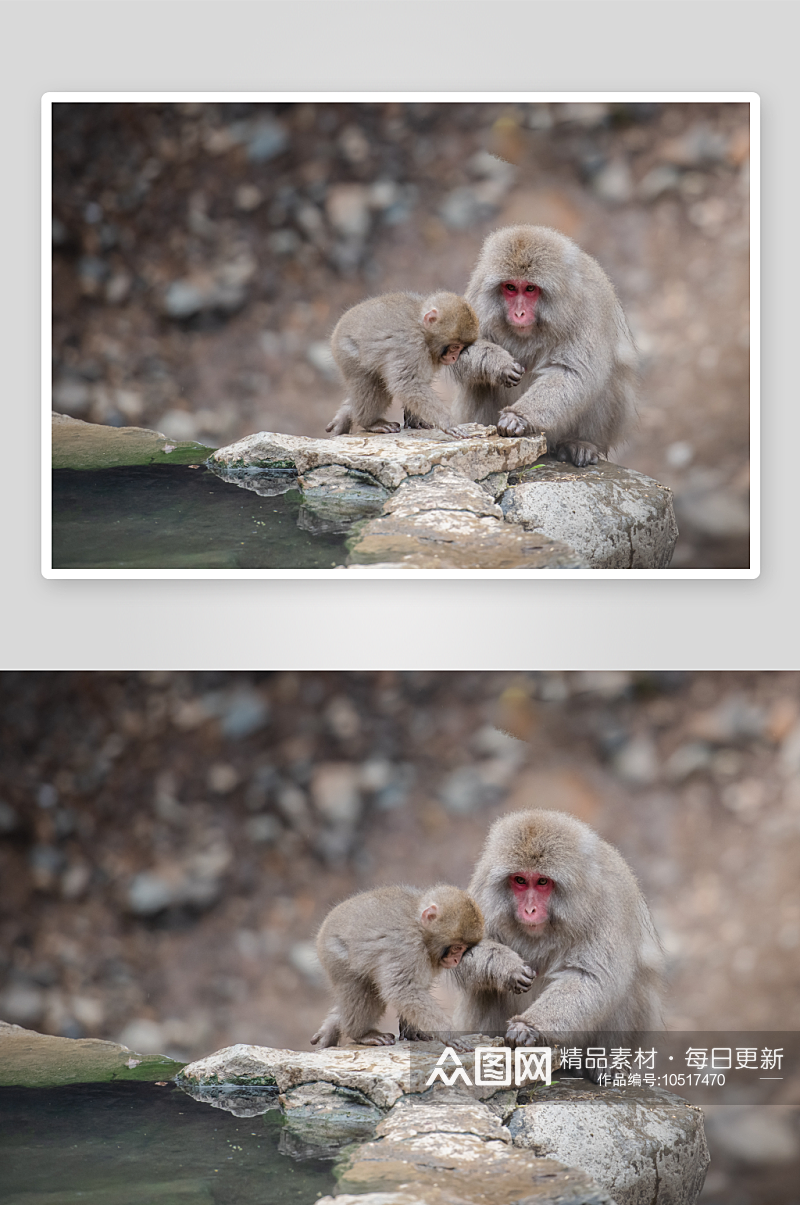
(374, 1038)
(324, 1038)
(413, 421)
(579, 451)
(387, 428)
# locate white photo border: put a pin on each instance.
(348, 574)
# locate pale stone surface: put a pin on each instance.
(462, 1168)
(80, 445)
(38, 1060)
(451, 540)
(615, 518)
(321, 1118)
(382, 1198)
(445, 520)
(382, 1073)
(438, 1111)
(335, 497)
(443, 489)
(644, 1146)
(387, 458)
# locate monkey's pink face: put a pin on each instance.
(453, 955)
(531, 895)
(451, 353)
(520, 298)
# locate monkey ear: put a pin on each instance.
(430, 316)
(429, 914)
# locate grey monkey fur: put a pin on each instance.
(378, 949)
(597, 959)
(579, 357)
(387, 348)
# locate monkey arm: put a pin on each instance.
(552, 402)
(486, 363)
(574, 999)
(492, 966)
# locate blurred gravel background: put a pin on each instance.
(204, 252)
(171, 842)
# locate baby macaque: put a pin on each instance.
(386, 947)
(390, 348)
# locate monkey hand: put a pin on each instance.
(521, 979)
(509, 423)
(512, 375)
(489, 362)
(521, 1033)
(458, 432)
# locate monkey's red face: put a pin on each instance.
(453, 955)
(520, 298)
(531, 895)
(451, 353)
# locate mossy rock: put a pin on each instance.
(37, 1060)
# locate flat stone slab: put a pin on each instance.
(37, 1060)
(449, 1165)
(80, 445)
(445, 520)
(645, 1146)
(613, 517)
(389, 459)
(381, 1073)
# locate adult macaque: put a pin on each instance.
(568, 904)
(386, 947)
(554, 309)
(389, 348)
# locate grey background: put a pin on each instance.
(390, 46)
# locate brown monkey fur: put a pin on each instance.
(597, 957)
(390, 347)
(386, 947)
(578, 354)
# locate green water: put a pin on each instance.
(176, 517)
(133, 1144)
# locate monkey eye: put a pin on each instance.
(509, 288)
(530, 288)
(519, 879)
(542, 882)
